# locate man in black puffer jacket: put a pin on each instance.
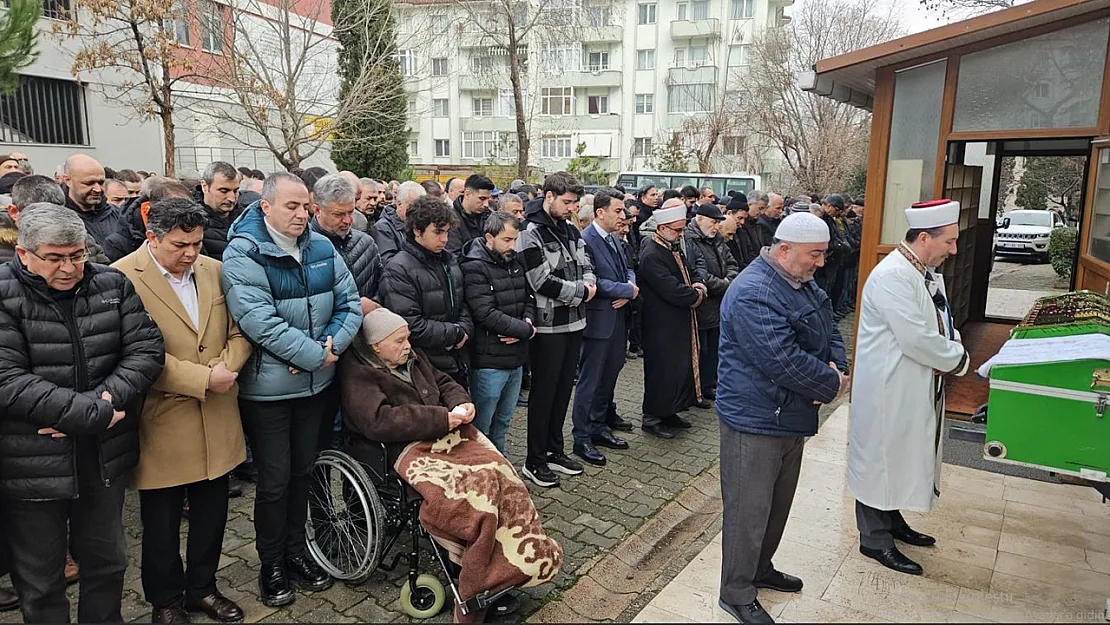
(504, 312)
(333, 207)
(423, 284)
(78, 354)
(218, 193)
(472, 208)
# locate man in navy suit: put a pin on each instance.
(603, 349)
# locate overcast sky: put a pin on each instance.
(913, 15)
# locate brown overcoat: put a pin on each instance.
(188, 434)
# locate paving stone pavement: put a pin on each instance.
(589, 515)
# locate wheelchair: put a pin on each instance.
(359, 512)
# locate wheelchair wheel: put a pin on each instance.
(426, 601)
(346, 518)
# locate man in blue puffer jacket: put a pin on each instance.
(781, 357)
(294, 299)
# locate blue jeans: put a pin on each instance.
(495, 392)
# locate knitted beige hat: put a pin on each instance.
(379, 323)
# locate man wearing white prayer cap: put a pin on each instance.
(781, 357)
(671, 294)
(906, 344)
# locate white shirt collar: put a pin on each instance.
(601, 230)
(169, 276)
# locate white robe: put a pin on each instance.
(894, 454)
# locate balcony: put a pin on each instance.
(687, 29)
(585, 123)
(604, 34)
(705, 74)
(596, 78)
(473, 39)
(484, 82)
(499, 124)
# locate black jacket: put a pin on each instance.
(130, 231)
(100, 222)
(360, 253)
(767, 228)
(839, 245)
(470, 227)
(499, 300)
(427, 290)
(389, 233)
(55, 364)
(215, 231)
(720, 270)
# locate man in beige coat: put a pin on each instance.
(190, 435)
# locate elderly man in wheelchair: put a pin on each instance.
(415, 463)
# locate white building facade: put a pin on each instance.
(629, 76)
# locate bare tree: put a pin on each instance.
(962, 9)
(138, 41)
(821, 141)
(282, 81)
(520, 31)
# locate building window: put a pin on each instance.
(645, 14)
(483, 107)
(414, 147)
(178, 25)
(439, 67)
(412, 106)
(699, 55)
(598, 16)
(645, 59)
(700, 10)
(599, 105)
(641, 146)
(743, 9)
(443, 147)
(645, 103)
(407, 59)
(561, 58)
(43, 110)
(441, 107)
(557, 146)
(53, 9)
(738, 55)
(597, 61)
(1042, 90)
(680, 57)
(479, 145)
(556, 101)
(732, 146)
(695, 98)
(682, 11)
(212, 27)
(480, 65)
(506, 104)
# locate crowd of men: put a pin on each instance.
(207, 351)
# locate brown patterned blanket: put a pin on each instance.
(477, 507)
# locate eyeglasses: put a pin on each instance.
(675, 230)
(57, 259)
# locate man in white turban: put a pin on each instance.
(905, 346)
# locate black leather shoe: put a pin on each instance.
(751, 613)
(677, 422)
(777, 580)
(619, 424)
(217, 607)
(506, 605)
(234, 487)
(610, 441)
(704, 404)
(169, 615)
(910, 537)
(9, 600)
(709, 393)
(892, 559)
(590, 454)
(273, 586)
(658, 430)
(304, 572)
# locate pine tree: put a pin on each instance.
(374, 144)
(17, 40)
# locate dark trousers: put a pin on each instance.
(91, 526)
(600, 365)
(759, 475)
(875, 526)
(166, 581)
(554, 358)
(709, 341)
(285, 436)
(635, 329)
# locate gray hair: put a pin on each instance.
(270, 185)
(409, 191)
(586, 210)
(36, 189)
(755, 195)
(223, 168)
(43, 223)
(334, 189)
(498, 220)
(510, 198)
(26, 168)
(368, 182)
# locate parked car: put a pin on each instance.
(1026, 233)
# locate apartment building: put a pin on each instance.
(632, 74)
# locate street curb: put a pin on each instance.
(610, 585)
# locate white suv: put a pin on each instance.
(1026, 233)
